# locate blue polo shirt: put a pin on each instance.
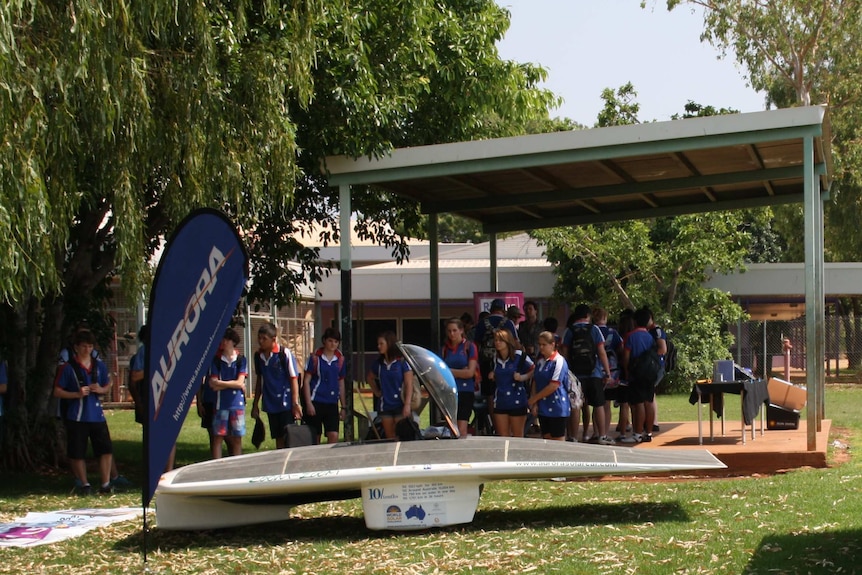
(391, 375)
(276, 370)
(228, 369)
(511, 394)
(71, 377)
(325, 375)
(459, 357)
(547, 370)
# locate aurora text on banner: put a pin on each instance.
(198, 284)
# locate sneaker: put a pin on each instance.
(106, 489)
(605, 440)
(83, 490)
(646, 438)
(120, 481)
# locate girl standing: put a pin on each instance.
(550, 399)
(395, 387)
(462, 358)
(512, 373)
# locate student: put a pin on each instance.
(81, 381)
(641, 393)
(323, 388)
(391, 379)
(277, 382)
(227, 378)
(462, 358)
(511, 374)
(529, 329)
(549, 399)
(584, 347)
(137, 386)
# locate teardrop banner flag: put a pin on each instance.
(199, 281)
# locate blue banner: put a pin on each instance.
(199, 281)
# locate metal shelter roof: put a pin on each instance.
(606, 174)
(615, 174)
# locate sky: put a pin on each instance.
(589, 45)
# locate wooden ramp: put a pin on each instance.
(774, 451)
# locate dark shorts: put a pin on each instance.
(325, 418)
(277, 423)
(207, 417)
(553, 426)
(79, 432)
(390, 413)
(640, 393)
(517, 412)
(594, 391)
(465, 405)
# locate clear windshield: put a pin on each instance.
(435, 376)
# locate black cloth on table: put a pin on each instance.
(754, 393)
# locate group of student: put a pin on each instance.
(319, 401)
(524, 372)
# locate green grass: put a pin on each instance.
(804, 521)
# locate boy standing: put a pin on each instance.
(227, 379)
(277, 382)
(82, 381)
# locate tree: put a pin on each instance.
(802, 52)
(119, 117)
(661, 263)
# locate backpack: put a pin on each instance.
(487, 351)
(611, 336)
(670, 357)
(647, 368)
(582, 350)
(576, 394)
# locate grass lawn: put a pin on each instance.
(804, 521)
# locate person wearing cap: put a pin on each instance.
(484, 340)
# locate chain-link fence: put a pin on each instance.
(764, 343)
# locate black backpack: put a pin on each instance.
(670, 357)
(647, 368)
(487, 351)
(582, 350)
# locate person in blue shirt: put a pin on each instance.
(512, 374)
(82, 381)
(323, 388)
(138, 386)
(641, 393)
(227, 378)
(391, 379)
(549, 399)
(462, 358)
(277, 383)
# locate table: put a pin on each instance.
(753, 393)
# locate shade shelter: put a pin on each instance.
(615, 174)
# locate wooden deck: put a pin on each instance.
(773, 452)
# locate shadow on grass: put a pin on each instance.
(349, 528)
(826, 552)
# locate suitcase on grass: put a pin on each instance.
(297, 435)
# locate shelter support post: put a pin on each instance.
(346, 306)
(813, 291)
(494, 284)
(434, 257)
